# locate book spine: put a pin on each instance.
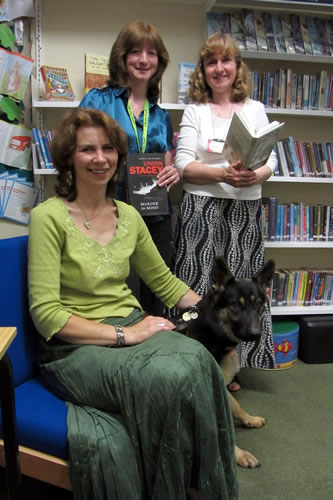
(43, 148)
(38, 149)
(278, 33)
(249, 30)
(294, 158)
(260, 31)
(269, 32)
(287, 34)
(323, 39)
(315, 42)
(280, 292)
(272, 221)
(329, 33)
(237, 29)
(297, 34)
(305, 34)
(47, 148)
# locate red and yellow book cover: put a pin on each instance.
(57, 84)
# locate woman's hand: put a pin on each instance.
(168, 177)
(239, 177)
(146, 328)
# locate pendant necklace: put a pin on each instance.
(216, 144)
(87, 220)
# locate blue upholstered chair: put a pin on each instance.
(41, 416)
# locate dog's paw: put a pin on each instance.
(254, 422)
(246, 459)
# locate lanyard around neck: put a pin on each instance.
(145, 125)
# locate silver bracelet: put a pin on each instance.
(120, 336)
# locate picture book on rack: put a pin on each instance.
(252, 148)
(15, 148)
(143, 191)
(18, 195)
(57, 84)
(15, 71)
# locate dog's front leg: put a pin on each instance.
(239, 414)
(246, 459)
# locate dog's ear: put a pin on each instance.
(221, 274)
(265, 275)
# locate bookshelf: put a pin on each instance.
(309, 125)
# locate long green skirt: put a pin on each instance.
(148, 421)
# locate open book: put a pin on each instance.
(242, 143)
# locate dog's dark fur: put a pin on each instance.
(227, 315)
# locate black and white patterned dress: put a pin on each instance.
(208, 226)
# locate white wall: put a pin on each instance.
(72, 28)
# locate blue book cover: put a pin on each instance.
(294, 158)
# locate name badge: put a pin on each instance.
(215, 145)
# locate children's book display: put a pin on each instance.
(143, 191)
(96, 71)
(243, 143)
(18, 196)
(57, 84)
(284, 33)
(11, 9)
(15, 71)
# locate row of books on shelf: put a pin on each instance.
(301, 287)
(41, 148)
(272, 32)
(304, 159)
(288, 89)
(296, 221)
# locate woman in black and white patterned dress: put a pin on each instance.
(221, 208)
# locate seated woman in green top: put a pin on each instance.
(149, 420)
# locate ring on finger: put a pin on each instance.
(161, 324)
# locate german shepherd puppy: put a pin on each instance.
(227, 315)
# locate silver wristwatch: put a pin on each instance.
(120, 336)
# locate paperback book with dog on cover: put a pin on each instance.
(243, 143)
(143, 192)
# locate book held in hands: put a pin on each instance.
(251, 147)
(143, 192)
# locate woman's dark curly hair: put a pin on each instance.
(64, 142)
(137, 34)
(217, 43)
